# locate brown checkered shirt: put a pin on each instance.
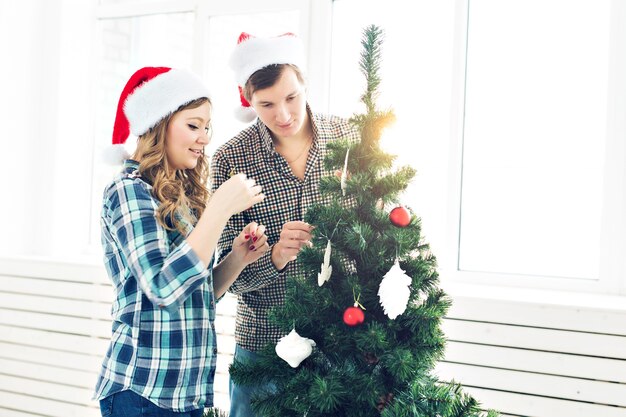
(261, 286)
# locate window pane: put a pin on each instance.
(534, 139)
(416, 69)
(107, 2)
(222, 34)
(127, 45)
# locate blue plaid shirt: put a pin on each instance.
(163, 343)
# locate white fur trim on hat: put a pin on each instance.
(255, 53)
(161, 96)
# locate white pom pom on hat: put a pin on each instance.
(254, 53)
(151, 94)
(115, 154)
(244, 113)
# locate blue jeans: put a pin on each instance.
(240, 395)
(128, 404)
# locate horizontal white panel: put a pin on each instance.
(579, 298)
(537, 361)
(48, 390)
(535, 338)
(45, 407)
(129, 9)
(226, 344)
(536, 384)
(221, 400)
(69, 360)
(63, 271)
(51, 340)
(42, 321)
(56, 288)
(214, 8)
(41, 304)
(4, 412)
(47, 373)
(527, 405)
(223, 362)
(221, 383)
(227, 305)
(225, 325)
(537, 314)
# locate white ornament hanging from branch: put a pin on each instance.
(344, 174)
(394, 291)
(327, 269)
(294, 348)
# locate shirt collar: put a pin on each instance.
(130, 166)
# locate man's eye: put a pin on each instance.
(193, 127)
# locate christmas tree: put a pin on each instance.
(363, 319)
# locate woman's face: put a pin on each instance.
(282, 107)
(187, 135)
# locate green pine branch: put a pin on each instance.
(370, 64)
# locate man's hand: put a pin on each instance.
(293, 237)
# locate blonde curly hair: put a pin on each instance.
(183, 193)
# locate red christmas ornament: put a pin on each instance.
(400, 217)
(353, 316)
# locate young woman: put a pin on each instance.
(284, 150)
(159, 232)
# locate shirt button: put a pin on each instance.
(215, 351)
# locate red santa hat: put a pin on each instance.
(254, 53)
(151, 94)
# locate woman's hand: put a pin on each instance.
(250, 244)
(237, 194)
(248, 247)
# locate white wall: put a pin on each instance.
(44, 78)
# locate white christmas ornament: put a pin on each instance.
(294, 348)
(344, 174)
(327, 269)
(394, 291)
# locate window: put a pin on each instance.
(127, 44)
(515, 136)
(222, 32)
(65, 94)
(416, 73)
(534, 137)
(537, 170)
(200, 37)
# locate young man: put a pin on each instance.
(284, 151)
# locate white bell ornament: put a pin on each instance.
(294, 348)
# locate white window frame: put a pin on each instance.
(612, 274)
(315, 33)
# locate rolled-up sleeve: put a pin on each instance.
(166, 274)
